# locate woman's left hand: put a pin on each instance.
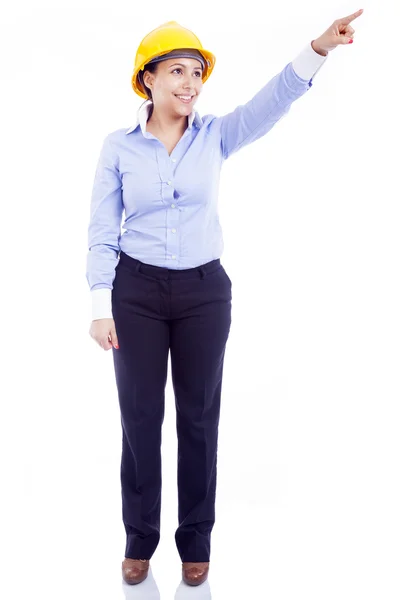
(340, 32)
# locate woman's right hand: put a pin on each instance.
(104, 333)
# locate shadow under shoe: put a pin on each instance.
(195, 573)
(135, 570)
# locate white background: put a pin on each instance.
(308, 467)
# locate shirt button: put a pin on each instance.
(173, 256)
(172, 205)
(173, 230)
(173, 159)
(169, 182)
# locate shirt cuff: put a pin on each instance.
(101, 304)
(308, 62)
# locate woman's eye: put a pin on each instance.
(178, 69)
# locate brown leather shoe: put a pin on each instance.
(195, 573)
(135, 570)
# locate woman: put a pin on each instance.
(160, 286)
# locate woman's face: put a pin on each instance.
(175, 77)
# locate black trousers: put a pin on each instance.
(187, 312)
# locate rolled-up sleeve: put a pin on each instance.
(250, 121)
(104, 232)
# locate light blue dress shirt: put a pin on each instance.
(170, 201)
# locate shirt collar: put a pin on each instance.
(143, 114)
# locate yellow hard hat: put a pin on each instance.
(169, 36)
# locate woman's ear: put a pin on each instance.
(147, 79)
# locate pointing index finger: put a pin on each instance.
(350, 18)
